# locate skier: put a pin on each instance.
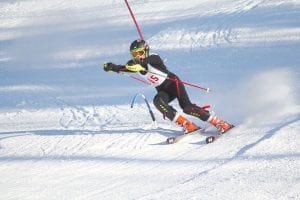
(168, 86)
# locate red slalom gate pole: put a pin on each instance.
(142, 37)
(134, 20)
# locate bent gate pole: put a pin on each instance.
(134, 20)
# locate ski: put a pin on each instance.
(208, 140)
(175, 139)
(213, 138)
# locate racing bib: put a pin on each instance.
(154, 76)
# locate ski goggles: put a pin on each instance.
(139, 52)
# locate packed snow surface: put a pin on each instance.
(67, 130)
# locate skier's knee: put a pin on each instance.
(157, 101)
(160, 104)
(164, 108)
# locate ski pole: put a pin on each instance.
(183, 82)
(196, 86)
(134, 20)
(135, 78)
(169, 78)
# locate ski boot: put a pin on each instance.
(187, 125)
(219, 123)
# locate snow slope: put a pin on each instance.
(66, 127)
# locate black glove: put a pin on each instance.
(109, 66)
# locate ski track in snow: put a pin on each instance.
(62, 136)
(134, 152)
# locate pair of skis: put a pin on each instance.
(208, 140)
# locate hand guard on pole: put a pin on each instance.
(135, 68)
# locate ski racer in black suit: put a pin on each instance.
(168, 86)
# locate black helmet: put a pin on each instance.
(139, 49)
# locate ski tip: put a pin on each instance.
(170, 140)
(210, 139)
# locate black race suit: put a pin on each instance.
(169, 89)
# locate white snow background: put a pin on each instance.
(66, 127)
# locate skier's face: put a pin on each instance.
(138, 54)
